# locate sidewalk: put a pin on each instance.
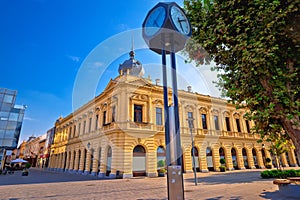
(41, 184)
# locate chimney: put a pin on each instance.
(189, 88)
(157, 81)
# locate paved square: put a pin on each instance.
(41, 184)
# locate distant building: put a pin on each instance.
(11, 118)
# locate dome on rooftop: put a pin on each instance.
(131, 66)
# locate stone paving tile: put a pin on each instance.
(237, 185)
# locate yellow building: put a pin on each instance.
(121, 131)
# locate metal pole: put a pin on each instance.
(176, 112)
(166, 113)
(193, 149)
(176, 115)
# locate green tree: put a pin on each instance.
(280, 144)
(255, 45)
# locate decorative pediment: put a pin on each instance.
(140, 82)
(203, 110)
(189, 108)
(158, 101)
(141, 97)
(226, 113)
(236, 115)
(215, 111)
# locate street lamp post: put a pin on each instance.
(191, 126)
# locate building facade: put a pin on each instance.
(11, 119)
(121, 131)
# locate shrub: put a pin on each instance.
(222, 161)
(280, 173)
(268, 160)
(161, 163)
(28, 165)
(266, 174)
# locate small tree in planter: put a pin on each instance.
(222, 167)
(161, 172)
(268, 165)
(26, 169)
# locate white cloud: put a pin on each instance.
(123, 27)
(28, 118)
(74, 58)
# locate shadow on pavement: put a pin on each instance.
(221, 197)
(42, 176)
(275, 195)
(229, 178)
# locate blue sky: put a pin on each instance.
(45, 43)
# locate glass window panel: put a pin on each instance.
(238, 126)
(2, 133)
(104, 118)
(8, 99)
(1, 97)
(13, 116)
(10, 134)
(216, 119)
(158, 116)
(11, 125)
(6, 107)
(227, 123)
(3, 124)
(138, 113)
(191, 122)
(204, 122)
(4, 114)
(20, 118)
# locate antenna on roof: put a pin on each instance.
(131, 54)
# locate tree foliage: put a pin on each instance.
(255, 45)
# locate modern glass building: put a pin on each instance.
(11, 118)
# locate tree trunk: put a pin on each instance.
(294, 132)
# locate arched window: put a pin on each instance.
(161, 157)
(108, 161)
(139, 149)
(234, 161)
(222, 152)
(255, 158)
(139, 161)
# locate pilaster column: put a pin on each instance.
(284, 161)
(95, 162)
(57, 161)
(76, 165)
(103, 162)
(228, 158)
(71, 161)
(202, 158)
(293, 159)
(250, 159)
(128, 157)
(240, 159)
(260, 159)
(88, 162)
(188, 161)
(68, 161)
(81, 162)
(216, 158)
(63, 161)
(151, 164)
